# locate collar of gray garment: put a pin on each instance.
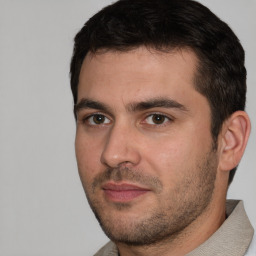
(232, 238)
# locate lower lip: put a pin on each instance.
(123, 195)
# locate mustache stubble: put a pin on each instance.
(126, 174)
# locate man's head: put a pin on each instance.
(154, 83)
(166, 25)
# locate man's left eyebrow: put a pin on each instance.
(156, 103)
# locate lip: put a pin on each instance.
(123, 192)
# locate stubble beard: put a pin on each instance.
(166, 221)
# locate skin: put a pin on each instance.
(164, 148)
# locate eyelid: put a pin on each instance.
(161, 114)
(86, 117)
(170, 118)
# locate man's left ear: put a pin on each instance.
(234, 136)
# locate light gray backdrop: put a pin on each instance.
(43, 210)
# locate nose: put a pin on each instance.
(121, 147)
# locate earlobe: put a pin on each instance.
(235, 134)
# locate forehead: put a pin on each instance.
(138, 73)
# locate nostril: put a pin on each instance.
(120, 157)
(125, 164)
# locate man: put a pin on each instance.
(159, 91)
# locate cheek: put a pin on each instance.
(88, 156)
(171, 159)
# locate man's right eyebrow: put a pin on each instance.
(90, 104)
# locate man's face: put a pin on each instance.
(143, 143)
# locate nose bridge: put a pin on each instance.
(120, 146)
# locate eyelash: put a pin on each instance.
(168, 119)
(86, 119)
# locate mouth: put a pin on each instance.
(123, 192)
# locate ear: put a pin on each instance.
(234, 136)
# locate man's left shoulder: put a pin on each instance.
(252, 248)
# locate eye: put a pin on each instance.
(157, 119)
(97, 119)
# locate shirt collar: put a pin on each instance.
(232, 238)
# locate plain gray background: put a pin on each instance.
(43, 210)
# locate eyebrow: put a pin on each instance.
(132, 107)
(90, 104)
(156, 103)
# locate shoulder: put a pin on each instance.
(108, 249)
(252, 248)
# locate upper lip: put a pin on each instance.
(122, 186)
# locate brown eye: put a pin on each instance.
(98, 119)
(157, 119)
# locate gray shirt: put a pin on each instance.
(233, 238)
